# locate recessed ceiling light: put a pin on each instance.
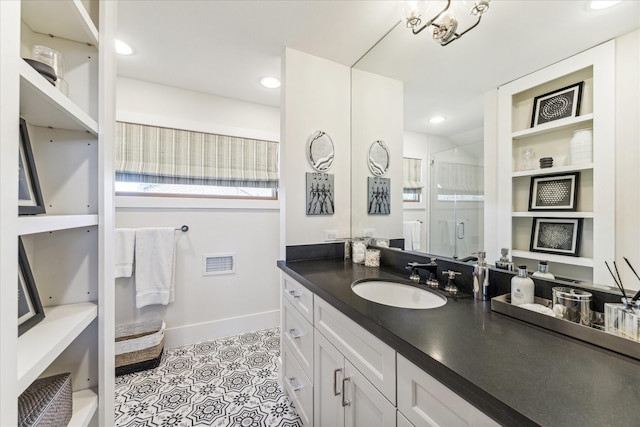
(122, 48)
(270, 82)
(436, 119)
(603, 4)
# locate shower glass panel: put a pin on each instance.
(456, 208)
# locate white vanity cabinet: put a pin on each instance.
(351, 378)
(425, 401)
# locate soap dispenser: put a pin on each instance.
(543, 271)
(503, 263)
(481, 290)
(522, 287)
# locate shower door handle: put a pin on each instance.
(460, 230)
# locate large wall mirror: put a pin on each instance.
(515, 38)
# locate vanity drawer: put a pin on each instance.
(375, 359)
(299, 296)
(427, 402)
(298, 333)
(297, 385)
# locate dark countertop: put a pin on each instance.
(515, 372)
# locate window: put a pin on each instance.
(412, 187)
(162, 161)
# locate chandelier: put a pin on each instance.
(444, 23)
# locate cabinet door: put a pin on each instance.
(328, 372)
(371, 356)
(426, 402)
(366, 407)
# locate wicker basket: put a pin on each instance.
(139, 346)
(48, 402)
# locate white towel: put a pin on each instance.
(415, 235)
(155, 275)
(411, 234)
(125, 243)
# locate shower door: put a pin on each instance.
(456, 208)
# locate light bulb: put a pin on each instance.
(436, 119)
(270, 82)
(122, 48)
(603, 4)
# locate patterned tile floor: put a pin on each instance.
(227, 382)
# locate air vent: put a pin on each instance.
(218, 264)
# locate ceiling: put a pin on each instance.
(224, 48)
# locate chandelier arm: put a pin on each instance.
(456, 36)
(431, 21)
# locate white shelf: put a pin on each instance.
(33, 224)
(552, 126)
(67, 19)
(560, 259)
(85, 404)
(42, 104)
(555, 214)
(554, 170)
(42, 344)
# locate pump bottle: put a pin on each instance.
(522, 287)
(543, 271)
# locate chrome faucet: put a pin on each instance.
(431, 267)
(451, 283)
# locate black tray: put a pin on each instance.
(45, 70)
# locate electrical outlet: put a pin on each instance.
(330, 235)
(369, 232)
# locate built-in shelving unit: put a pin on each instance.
(596, 205)
(68, 248)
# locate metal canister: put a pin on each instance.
(573, 305)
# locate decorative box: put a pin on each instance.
(48, 402)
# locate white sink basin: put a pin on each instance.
(397, 294)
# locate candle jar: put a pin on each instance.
(372, 258)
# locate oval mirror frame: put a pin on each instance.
(379, 158)
(320, 151)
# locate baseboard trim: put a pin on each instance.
(191, 334)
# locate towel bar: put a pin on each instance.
(184, 228)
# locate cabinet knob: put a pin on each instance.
(293, 294)
(294, 335)
(292, 384)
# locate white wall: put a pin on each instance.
(205, 307)
(316, 96)
(377, 114)
(628, 154)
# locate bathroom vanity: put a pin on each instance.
(349, 361)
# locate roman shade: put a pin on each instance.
(152, 154)
(412, 169)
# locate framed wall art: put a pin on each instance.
(30, 201)
(556, 235)
(557, 105)
(320, 151)
(379, 201)
(379, 158)
(30, 311)
(554, 192)
(320, 192)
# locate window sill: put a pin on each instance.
(194, 203)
